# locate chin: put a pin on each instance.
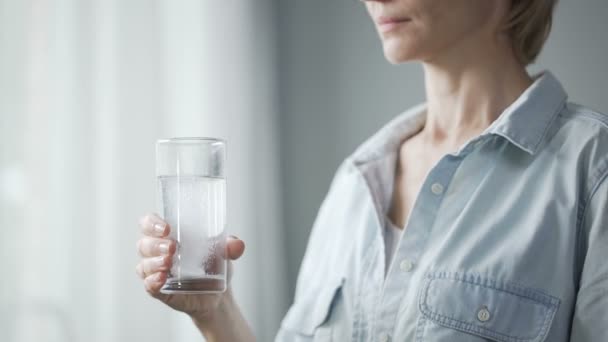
(396, 52)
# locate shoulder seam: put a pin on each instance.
(586, 113)
(603, 176)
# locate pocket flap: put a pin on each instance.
(311, 309)
(500, 311)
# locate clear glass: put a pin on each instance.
(191, 188)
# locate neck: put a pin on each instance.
(467, 92)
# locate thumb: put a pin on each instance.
(234, 247)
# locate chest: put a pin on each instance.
(412, 168)
(488, 254)
(476, 226)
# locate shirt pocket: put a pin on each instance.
(307, 319)
(468, 307)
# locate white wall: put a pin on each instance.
(337, 90)
(86, 88)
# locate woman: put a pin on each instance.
(480, 215)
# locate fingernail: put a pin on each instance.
(163, 248)
(233, 237)
(159, 228)
(159, 261)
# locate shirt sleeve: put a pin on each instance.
(590, 320)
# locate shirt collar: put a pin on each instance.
(524, 123)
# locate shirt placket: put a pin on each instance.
(413, 244)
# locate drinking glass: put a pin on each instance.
(191, 188)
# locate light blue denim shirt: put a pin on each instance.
(507, 239)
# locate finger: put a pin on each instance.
(152, 225)
(139, 270)
(154, 282)
(151, 247)
(234, 247)
(155, 264)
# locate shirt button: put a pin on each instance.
(383, 337)
(483, 314)
(437, 188)
(406, 265)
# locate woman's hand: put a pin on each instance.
(157, 249)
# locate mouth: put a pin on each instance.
(386, 24)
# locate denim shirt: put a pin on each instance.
(507, 239)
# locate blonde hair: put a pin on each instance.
(529, 23)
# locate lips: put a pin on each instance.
(391, 20)
(386, 24)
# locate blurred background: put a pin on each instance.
(88, 86)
